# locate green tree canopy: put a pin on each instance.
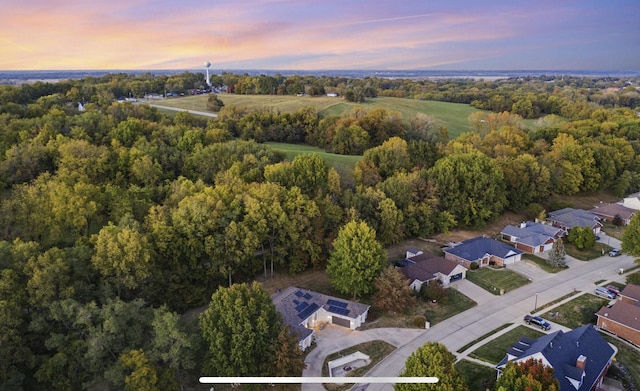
(433, 360)
(471, 186)
(356, 260)
(241, 328)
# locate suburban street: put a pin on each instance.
(490, 313)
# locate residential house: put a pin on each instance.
(483, 251)
(423, 268)
(630, 294)
(608, 212)
(568, 218)
(580, 358)
(621, 319)
(632, 201)
(532, 237)
(304, 310)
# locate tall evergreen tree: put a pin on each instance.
(557, 254)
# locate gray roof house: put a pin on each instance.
(304, 310)
(422, 268)
(568, 218)
(532, 237)
(580, 358)
(483, 251)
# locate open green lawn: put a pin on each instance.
(344, 164)
(587, 254)
(454, 304)
(478, 377)
(452, 115)
(576, 312)
(496, 280)
(543, 264)
(494, 351)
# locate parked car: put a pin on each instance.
(615, 252)
(604, 292)
(613, 289)
(538, 321)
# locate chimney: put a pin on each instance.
(581, 362)
(523, 224)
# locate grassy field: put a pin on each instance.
(496, 280)
(344, 164)
(478, 377)
(576, 312)
(495, 351)
(452, 115)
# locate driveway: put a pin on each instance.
(463, 328)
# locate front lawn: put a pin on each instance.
(494, 351)
(478, 377)
(587, 254)
(496, 281)
(577, 312)
(454, 304)
(543, 264)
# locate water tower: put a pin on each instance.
(207, 64)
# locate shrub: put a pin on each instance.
(474, 266)
(432, 290)
(419, 321)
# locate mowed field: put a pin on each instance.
(344, 164)
(451, 115)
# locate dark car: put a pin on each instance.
(538, 321)
(615, 252)
(613, 289)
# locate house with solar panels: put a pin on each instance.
(580, 358)
(304, 310)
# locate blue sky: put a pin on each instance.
(317, 35)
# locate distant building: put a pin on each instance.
(332, 94)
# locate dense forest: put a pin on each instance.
(115, 220)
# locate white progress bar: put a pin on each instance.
(315, 380)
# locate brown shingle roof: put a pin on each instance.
(426, 266)
(624, 313)
(632, 291)
(611, 210)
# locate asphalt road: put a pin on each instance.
(204, 113)
(491, 312)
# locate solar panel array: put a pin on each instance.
(338, 310)
(299, 293)
(301, 306)
(337, 303)
(308, 311)
(307, 296)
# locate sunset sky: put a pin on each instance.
(320, 35)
